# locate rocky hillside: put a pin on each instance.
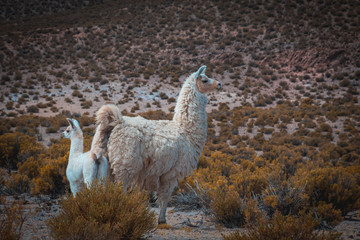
(263, 52)
(283, 133)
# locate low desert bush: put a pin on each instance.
(76, 93)
(103, 212)
(51, 179)
(338, 186)
(327, 214)
(16, 147)
(163, 95)
(227, 207)
(285, 199)
(286, 228)
(32, 109)
(12, 219)
(17, 183)
(156, 115)
(86, 104)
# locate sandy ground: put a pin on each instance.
(185, 225)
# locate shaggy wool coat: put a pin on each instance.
(156, 154)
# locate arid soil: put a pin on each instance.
(185, 225)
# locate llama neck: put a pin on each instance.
(190, 110)
(77, 146)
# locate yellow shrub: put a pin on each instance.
(156, 115)
(103, 212)
(16, 147)
(252, 212)
(52, 177)
(229, 186)
(12, 219)
(335, 185)
(227, 207)
(327, 213)
(17, 183)
(285, 228)
(283, 198)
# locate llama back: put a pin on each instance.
(107, 117)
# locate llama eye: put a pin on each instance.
(204, 80)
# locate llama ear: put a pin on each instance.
(70, 122)
(200, 71)
(75, 123)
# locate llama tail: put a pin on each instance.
(107, 117)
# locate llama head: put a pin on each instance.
(73, 130)
(204, 84)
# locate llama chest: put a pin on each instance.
(74, 170)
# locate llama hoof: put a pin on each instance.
(162, 221)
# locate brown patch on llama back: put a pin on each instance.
(148, 162)
(93, 156)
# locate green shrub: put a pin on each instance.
(103, 212)
(285, 228)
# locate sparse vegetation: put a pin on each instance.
(283, 143)
(284, 227)
(12, 219)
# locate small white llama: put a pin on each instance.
(82, 167)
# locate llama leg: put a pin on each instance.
(164, 195)
(125, 182)
(122, 175)
(103, 169)
(74, 187)
(90, 169)
(163, 206)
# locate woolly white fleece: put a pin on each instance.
(82, 167)
(154, 154)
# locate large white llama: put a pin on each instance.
(153, 154)
(83, 168)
